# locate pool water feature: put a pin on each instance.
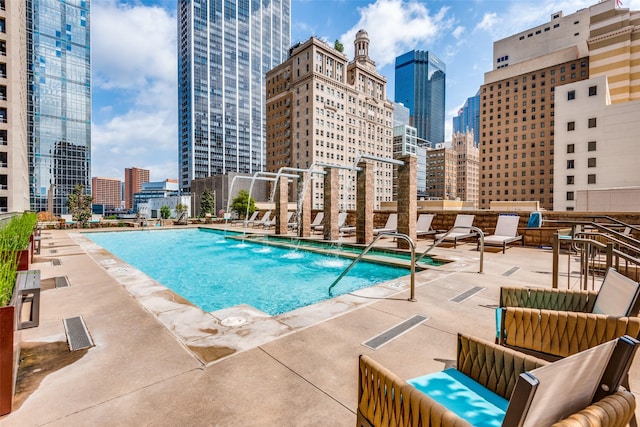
(214, 272)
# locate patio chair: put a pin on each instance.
(390, 227)
(492, 387)
(262, 222)
(342, 218)
(506, 232)
(459, 233)
(553, 323)
(246, 222)
(423, 225)
(317, 221)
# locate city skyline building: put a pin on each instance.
(14, 161)
(420, 80)
(59, 101)
(468, 118)
(134, 178)
(225, 48)
(442, 173)
(468, 160)
(323, 108)
(106, 192)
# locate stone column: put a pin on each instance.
(282, 205)
(304, 222)
(365, 195)
(407, 199)
(331, 200)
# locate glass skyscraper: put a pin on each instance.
(468, 118)
(225, 48)
(420, 86)
(59, 100)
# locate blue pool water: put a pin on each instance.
(214, 272)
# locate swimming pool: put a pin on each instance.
(214, 272)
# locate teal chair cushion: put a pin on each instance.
(460, 394)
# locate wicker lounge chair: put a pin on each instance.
(506, 232)
(554, 323)
(459, 233)
(423, 225)
(390, 227)
(493, 386)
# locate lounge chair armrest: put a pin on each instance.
(384, 399)
(548, 299)
(562, 333)
(493, 366)
(615, 410)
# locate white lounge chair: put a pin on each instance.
(317, 221)
(342, 218)
(272, 222)
(263, 221)
(423, 225)
(390, 227)
(459, 233)
(506, 232)
(246, 222)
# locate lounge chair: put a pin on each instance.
(552, 323)
(342, 218)
(317, 221)
(262, 222)
(272, 222)
(246, 222)
(455, 233)
(423, 225)
(506, 232)
(390, 227)
(492, 387)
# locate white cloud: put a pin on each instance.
(395, 27)
(489, 20)
(458, 32)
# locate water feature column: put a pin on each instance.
(331, 200)
(282, 205)
(304, 213)
(365, 193)
(407, 203)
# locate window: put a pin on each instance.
(569, 195)
(571, 148)
(591, 178)
(592, 122)
(591, 162)
(570, 179)
(593, 90)
(571, 126)
(571, 95)
(570, 164)
(591, 146)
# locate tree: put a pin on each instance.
(181, 209)
(240, 202)
(207, 203)
(79, 205)
(165, 212)
(338, 46)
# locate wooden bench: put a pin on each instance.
(27, 290)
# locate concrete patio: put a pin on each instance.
(157, 360)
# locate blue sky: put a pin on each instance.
(134, 66)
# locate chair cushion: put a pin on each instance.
(462, 395)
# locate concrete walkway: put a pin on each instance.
(159, 361)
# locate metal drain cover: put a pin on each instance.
(233, 321)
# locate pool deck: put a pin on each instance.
(159, 361)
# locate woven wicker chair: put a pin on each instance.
(384, 399)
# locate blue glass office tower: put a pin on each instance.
(59, 100)
(225, 48)
(468, 118)
(420, 86)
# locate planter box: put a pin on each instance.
(9, 354)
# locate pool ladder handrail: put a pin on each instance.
(370, 245)
(436, 242)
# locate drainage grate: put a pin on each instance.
(53, 251)
(56, 261)
(467, 294)
(77, 334)
(511, 271)
(380, 340)
(62, 282)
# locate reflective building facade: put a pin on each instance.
(59, 100)
(420, 86)
(225, 48)
(468, 118)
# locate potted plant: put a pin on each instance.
(14, 247)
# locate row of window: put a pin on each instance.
(571, 126)
(591, 179)
(591, 163)
(571, 95)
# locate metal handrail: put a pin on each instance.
(436, 242)
(370, 245)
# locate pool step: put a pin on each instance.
(390, 334)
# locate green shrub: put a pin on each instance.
(14, 236)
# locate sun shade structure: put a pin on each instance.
(500, 387)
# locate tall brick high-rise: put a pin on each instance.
(133, 180)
